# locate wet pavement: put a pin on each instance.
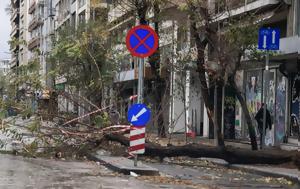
(24, 173)
(27, 173)
(222, 177)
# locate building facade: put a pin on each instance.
(183, 107)
(281, 94)
(4, 67)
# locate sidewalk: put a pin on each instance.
(290, 174)
(264, 170)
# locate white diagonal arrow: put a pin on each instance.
(265, 42)
(135, 117)
(273, 36)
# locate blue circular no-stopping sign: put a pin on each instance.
(142, 41)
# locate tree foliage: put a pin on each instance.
(83, 57)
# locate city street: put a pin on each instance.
(150, 94)
(18, 173)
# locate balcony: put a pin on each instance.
(243, 7)
(13, 62)
(133, 75)
(81, 3)
(125, 76)
(14, 48)
(14, 30)
(117, 12)
(15, 1)
(32, 7)
(14, 15)
(234, 4)
(35, 22)
(290, 45)
(33, 43)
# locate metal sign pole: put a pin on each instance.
(265, 99)
(141, 80)
(140, 91)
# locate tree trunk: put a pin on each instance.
(218, 120)
(205, 90)
(159, 86)
(230, 154)
(246, 113)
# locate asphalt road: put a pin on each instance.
(24, 173)
(27, 173)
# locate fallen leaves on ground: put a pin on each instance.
(282, 181)
(172, 181)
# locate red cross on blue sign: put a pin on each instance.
(142, 41)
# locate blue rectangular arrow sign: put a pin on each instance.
(268, 39)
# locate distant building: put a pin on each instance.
(4, 66)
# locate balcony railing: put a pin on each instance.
(35, 22)
(32, 7)
(14, 15)
(241, 7)
(290, 45)
(13, 62)
(15, 1)
(14, 30)
(133, 75)
(81, 3)
(33, 43)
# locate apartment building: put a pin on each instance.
(282, 87)
(4, 67)
(173, 39)
(184, 110)
(72, 13)
(19, 32)
(284, 83)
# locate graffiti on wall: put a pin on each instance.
(280, 108)
(253, 92)
(295, 115)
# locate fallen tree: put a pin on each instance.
(230, 154)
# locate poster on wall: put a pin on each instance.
(253, 95)
(271, 93)
(270, 101)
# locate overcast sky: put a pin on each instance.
(4, 30)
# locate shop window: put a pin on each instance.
(295, 107)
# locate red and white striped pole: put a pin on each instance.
(137, 140)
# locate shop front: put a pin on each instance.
(250, 82)
(290, 68)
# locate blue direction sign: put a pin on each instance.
(139, 115)
(268, 39)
